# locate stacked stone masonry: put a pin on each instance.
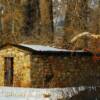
(36, 70)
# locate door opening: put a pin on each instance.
(8, 75)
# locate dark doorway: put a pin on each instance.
(8, 75)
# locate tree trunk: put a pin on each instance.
(46, 15)
(31, 16)
(76, 18)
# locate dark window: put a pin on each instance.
(8, 71)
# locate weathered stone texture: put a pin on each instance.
(36, 70)
(65, 71)
(22, 65)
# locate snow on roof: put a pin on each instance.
(42, 48)
(47, 48)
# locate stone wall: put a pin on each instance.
(22, 66)
(38, 71)
(57, 71)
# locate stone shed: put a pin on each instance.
(23, 65)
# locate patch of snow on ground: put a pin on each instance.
(12, 93)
